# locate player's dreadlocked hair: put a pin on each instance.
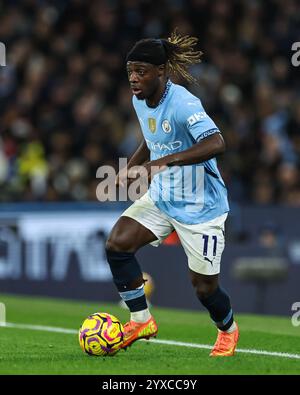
(177, 52)
(181, 54)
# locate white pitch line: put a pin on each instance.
(158, 341)
(38, 328)
(247, 351)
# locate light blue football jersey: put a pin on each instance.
(191, 194)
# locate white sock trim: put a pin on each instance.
(140, 316)
(232, 328)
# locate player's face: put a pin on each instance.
(143, 78)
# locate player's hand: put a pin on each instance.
(126, 176)
(145, 172)
(138, 173)
(122, 177)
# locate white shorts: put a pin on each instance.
(202, 243)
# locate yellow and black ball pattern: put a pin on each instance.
(101, 334)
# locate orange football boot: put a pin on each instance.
(135, 330)
(225, 344)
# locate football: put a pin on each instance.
(101, 334)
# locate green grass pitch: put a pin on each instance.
(28, 351)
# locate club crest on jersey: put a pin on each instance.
(166, 126)
(152, 125)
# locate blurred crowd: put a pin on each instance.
(65, 103)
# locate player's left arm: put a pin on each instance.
(192, 119)
(202, 151)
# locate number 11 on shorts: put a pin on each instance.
(205, 245)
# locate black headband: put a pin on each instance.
(149, 51)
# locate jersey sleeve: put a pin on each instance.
(192, 117)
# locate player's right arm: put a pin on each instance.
(140, 156)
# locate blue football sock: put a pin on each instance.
(127, 276)
(135, 299)
(219, 307)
